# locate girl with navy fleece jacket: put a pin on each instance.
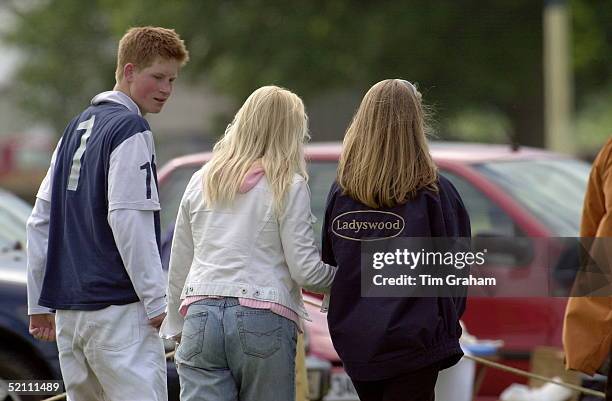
(392, 348)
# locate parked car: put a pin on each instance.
(21, 356)
(509, 193)
(13, 213)
(528, 192)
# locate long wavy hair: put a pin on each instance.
(385, 157)
(270, 127)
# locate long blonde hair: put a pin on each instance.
(271, 126)
(385, 157)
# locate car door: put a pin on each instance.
(521, 322)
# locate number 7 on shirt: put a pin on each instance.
(75, 170)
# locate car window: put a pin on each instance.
(491, 224)
(321, 177)
(551, 190)
(486, 217)
(171, 193)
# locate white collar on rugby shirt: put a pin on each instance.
(117, 97)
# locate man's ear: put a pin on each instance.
(128, 71)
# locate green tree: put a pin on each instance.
(68, 57)
(464, 54)
(592, 30)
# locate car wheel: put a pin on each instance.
(16, 368)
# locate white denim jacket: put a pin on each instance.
(244, 250)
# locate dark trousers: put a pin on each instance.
(414, 386)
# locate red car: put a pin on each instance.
(513, 194)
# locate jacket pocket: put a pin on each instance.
(192, 338)
(260, 332)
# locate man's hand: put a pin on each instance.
(157, 320)
(42, 326)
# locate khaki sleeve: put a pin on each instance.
(587, 333)
(587, 326)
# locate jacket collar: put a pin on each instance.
(117, 97)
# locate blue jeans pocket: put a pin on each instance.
(260, 332)
(192, 338)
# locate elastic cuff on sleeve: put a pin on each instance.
(145, 206)
(39, 310)
(44, 195)
(156, 308)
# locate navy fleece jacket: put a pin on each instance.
(380, 338)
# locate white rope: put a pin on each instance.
(520, 372)
(516, 371)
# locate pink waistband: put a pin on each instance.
(279, 309)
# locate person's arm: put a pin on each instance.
(449, 218)
(465, 232)
(596, 228)
(594, 208)
(181, 257)
(37, 231)
(604, 226)
(586, 335)
(327, 250)
(134, 233)
(297, 237)
(42, 320)
(132, 202)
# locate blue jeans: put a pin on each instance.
(230, 352)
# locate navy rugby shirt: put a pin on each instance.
(84, 269)
(380, 338)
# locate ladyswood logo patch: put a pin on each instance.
(368, 225)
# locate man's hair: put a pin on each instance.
(142, 45)
(385, 159)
